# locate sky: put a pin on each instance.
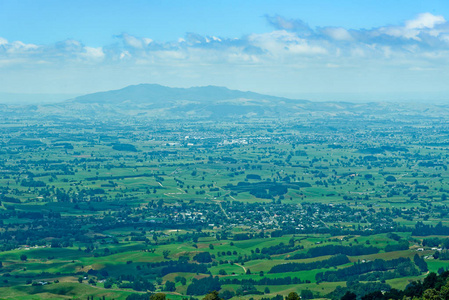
(320, 50)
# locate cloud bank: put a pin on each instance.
(418, 45)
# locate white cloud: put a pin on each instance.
(283, 44)
(147, 41)
(297, 26)
(93, 53)
(425, 24)
(290, 44)
(132, 41)
(18, 47)
(425, 20)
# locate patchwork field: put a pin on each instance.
(115, 209)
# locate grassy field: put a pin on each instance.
(120, 204)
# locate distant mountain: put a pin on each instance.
(212, 103)
(157, 101)
(155, 93)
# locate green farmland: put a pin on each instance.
(107, 208)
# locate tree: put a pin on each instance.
(390, 178)
(349, 296)
(373, 296)
(222, 272)
(165, 253)
(445, 244)
(23, 257)
(431, 294)
(292, 296)
(212, 296)
(306, 294)
(108, 283)
(203, 286)
(444, 292)
(430, 281)
(170, 286)
(135, 297)
(183, 281)
(203, 257)
(226, 294)
(158, 296)
(266, 290)
(436, 255)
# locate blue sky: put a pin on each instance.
(311, 49)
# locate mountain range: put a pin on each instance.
(210, 102)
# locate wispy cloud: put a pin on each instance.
(300, 27)
(425, 37)
(68, 51)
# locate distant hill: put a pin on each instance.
(155, 93)
(155, 101)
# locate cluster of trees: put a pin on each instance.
(203, 257)
(264, 281)
(63, 233)
(402, 266)
(248, 289)
(354, 250)
(166, 267)
(443, 255)
(281, 248)
(402, 245)
(403, 269)
(147, 296)
(203, 286)
(124, 147)
(138, 284)
(184, 267)
(422, 229)
(32, 183)
(336, 260)
(435, 241)
(420, 263)
(356, 290)
(432, 287)
(265, 189)
(8, 199)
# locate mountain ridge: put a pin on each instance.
(154, 93)
(154, 101)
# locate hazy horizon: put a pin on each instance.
(423, 97)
